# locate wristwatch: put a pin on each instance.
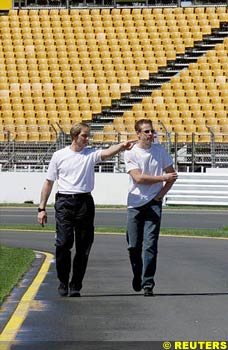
(158, 199)
(40, 210)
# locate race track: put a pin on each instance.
(190, 302)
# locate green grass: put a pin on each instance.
(14, 262)
(100, 206)
(221, 232)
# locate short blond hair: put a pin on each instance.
(140, 122)
(76, 129)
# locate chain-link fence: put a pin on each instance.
(191, 152)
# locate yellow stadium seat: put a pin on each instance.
(30, 120)
(122, 136)
(98, 137)
(115, 92)
(45, 136)
(211, 13)
(199, 118)
(19, 120)
(75, 116)
(203, 134)
(176, 121)
(53, 118)
(215, 129)
(211, 122)
(139, 115)
(96, 107)
(21, 136)
(119, 128)
(7, 117)
(10, 131)
(28, 114)
(51, 107)
(190, 128)
(179, 130)
(110, 137)
(222, 119)
(128, 118)
(150, 114)
(180, 99)
(20, 127)
(65, 124)
(131, 134)
(173, 113)
(108, 128)
(224, 131)
(43, 128)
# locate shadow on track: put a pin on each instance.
(155, 295)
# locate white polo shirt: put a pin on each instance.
(151, 161)
(74, 171)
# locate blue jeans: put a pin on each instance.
(143, 226)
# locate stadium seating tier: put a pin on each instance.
(60, 66)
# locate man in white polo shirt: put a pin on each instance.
(73, 168)
(151, 175)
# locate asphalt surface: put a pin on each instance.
(172, 218)
(190, 302)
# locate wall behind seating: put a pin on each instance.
(21, 187)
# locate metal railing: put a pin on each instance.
(18, 4)
(191, 152)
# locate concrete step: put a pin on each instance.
(196, 201)
(196, 188)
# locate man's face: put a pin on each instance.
(83, 138)
(146, 134)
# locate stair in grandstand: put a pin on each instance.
(164, 75)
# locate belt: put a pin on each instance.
(73, 195)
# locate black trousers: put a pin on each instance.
(74, 216)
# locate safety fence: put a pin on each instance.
(114, 3)
(191, 152)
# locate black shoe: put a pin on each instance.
(63, 289)
(148, 291)
(74, 292)
(137, 284)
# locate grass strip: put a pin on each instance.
(14, 262)
(221, 232)
(120, 206)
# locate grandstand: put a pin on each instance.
(110, 64)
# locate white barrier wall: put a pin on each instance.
(110, 188)
(209, 188)
(15, 187)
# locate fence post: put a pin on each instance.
(212, 149)
(193, 152)
(118, 155)
(168, 141)
(175, 149)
